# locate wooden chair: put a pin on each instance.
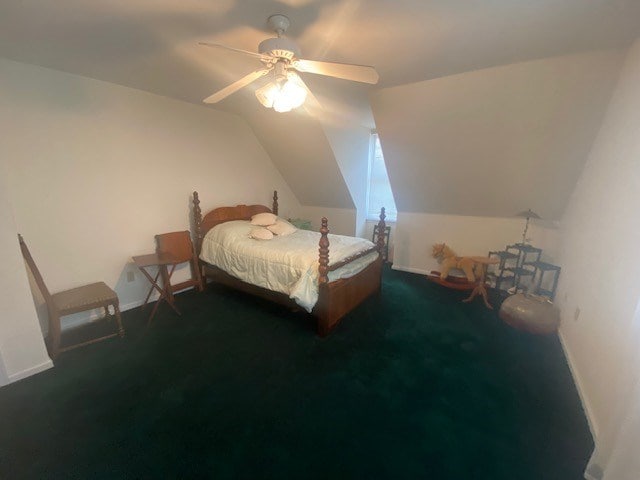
(179, 245)
(79, 299)
(387, 234)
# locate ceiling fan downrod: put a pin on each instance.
(278, 23)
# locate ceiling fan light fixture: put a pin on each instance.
(266, 94)
(280, 56)
(294, 90)
(285, 96)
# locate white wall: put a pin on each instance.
(415, 234)
(350, 144)
(22, 349)
(341, 221)
(95, 170)
(600, 256)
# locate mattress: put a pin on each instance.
(286, 264)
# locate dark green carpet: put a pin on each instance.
(413, 385)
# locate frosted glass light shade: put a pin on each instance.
(283, 97)
(266, 94)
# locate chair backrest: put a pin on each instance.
(177, 244)
(34, 271)
(387, 234)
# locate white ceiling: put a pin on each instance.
(152, 45)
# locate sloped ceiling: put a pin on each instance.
(304, 157)
(152, 45)
(496, 141)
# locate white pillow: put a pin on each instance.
(263, 219)
(260, 233)
(282, 228)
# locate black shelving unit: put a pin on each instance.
(520, 261)
(526, 254)
(540, 269)
(507, 261)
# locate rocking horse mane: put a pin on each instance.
(448, 260)
(442, 250)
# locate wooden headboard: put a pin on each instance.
(224, 214)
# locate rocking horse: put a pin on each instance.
(473, 268)
(448, 260)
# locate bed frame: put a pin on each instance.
(335, 299)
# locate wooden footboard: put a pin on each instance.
(338, 298)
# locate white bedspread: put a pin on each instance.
(286, 264)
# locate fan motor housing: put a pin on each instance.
(280, 47)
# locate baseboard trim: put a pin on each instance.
(47, 364)
(577, 380)
(131, 305)
(94, 315)
(419, 271)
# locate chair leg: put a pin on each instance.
(116, 310)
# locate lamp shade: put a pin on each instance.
(528, 214)
(266, 94)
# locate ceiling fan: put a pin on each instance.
(281, 59)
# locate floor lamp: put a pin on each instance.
(528, 214)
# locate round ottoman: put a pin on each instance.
(530, 313)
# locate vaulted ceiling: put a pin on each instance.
(152, 45)
(506, 138)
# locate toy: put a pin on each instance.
(447, 259)
(455, 283)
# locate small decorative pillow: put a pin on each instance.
(260, 233)
(264, 219)
(282, 228)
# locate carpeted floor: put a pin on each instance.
(412, 385)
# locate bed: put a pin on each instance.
(341, 283)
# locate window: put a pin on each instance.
(379, 192)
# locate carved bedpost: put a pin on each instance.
(382, 226)
(323, 267)
(275, 202)
(197, 222)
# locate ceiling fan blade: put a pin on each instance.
(235, 86)
(237, 50)
(346, 71)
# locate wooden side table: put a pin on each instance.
(159, 260)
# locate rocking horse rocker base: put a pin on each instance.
(454, 283)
